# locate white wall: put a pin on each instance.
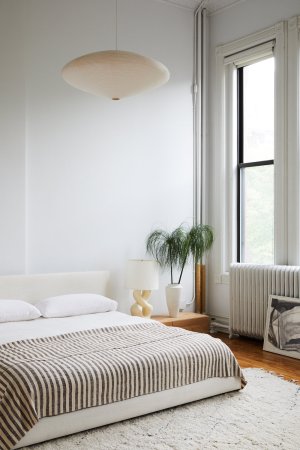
(12, 143)
(100, 174)
(245, 18)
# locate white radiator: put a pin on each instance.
(250, 287)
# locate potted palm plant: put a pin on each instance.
(170, 249)
(173, 249)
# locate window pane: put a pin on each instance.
(257, 214)
(259, 111)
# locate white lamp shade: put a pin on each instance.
(115, 73)
(142, 274)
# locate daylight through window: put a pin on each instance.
(255, 180)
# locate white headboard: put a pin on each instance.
(32, 288)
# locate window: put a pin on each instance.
(256, 206)
(255, 162)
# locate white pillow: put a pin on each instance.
(17, 310)
(75, 305)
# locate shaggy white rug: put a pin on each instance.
(264, 416)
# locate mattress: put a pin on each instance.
(38, 328)
(86, 326)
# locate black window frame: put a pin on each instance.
(240, 155)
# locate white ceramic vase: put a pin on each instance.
(173, 297)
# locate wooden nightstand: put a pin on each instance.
(187, 320)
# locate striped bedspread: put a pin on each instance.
(44, 377)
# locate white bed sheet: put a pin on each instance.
(16, 331)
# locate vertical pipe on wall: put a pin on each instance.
(199, 126)
(199, 109)
(204, 77)
(197, 117)
(196, 159)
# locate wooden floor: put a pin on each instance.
(249, 353)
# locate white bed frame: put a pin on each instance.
(32, 288)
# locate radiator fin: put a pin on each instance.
(250, 287)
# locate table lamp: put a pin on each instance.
(142, 277)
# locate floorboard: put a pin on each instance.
(250, 353)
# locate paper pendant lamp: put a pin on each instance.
(114, 73)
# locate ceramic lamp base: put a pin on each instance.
(141, 307)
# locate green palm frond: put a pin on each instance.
(173, 249)
(157, 246)
(201, 240)
(168, 248)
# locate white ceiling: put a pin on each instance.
(211, 5)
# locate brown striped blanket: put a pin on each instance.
(44, 377)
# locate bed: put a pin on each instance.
(148, 341)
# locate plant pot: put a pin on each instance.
(173, 297)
